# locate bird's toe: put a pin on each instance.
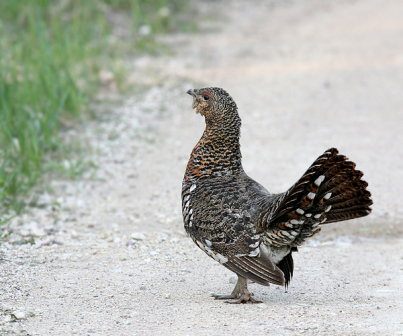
(224, 297)
(244, 298)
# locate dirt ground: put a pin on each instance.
(110, 255)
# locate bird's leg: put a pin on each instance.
(240, 292)
(235, 293)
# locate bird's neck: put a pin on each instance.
(218, 151)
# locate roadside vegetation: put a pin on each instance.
(51, 55)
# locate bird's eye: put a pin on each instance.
(206, 96)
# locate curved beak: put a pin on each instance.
(191, 92)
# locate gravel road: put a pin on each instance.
(110, 256)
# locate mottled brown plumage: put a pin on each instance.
(237, 222)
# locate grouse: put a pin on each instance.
(237, 222)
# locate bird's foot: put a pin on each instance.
(240, 293)
(244, 298)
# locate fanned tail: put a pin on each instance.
(331, 190)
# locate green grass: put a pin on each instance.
(51, 53)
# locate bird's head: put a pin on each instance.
(213, 103)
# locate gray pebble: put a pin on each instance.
(131, 242)
(138, 236)
(19, 315)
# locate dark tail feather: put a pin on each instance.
(331, 190)
(286, 265)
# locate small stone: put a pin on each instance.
(106, 77)
(346, 282)
(38, 232)
(174, 240)
(8, 318)
(74, 234)
(144, 30)
(19, 315)
(106, 235)
(117, 240)
(168, 296)
(123, 257)
(164, 12)
(131, 242)
(143, 288)
(24, 232)
(138, 236)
